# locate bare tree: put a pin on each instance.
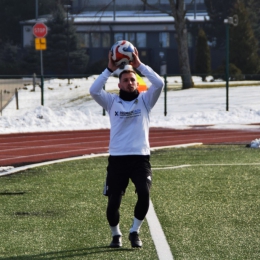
(178, 12)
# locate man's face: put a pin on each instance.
(128, 82)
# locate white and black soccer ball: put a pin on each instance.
(122, 52)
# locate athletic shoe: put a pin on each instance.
(116, 241)
(135, 240)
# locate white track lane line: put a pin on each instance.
(60, 152)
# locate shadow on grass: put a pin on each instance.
(68, 253)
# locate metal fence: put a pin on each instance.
(10, 86)
(20, 93)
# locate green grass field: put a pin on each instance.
(208, 209)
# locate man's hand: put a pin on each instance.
(136, 61)
(111, 64)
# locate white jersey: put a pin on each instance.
(129, 133)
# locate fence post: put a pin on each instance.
(227, 66)
(104, 111)
(165, 94)
(34, 81)
(42, 91)
(1, 100)
(16, 98)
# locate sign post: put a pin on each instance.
(40, 30)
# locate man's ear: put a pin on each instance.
(119, 85)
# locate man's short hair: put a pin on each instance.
(127, 69)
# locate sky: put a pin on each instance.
(70, 107)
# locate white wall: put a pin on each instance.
(27, 35)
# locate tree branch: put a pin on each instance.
(156, 8)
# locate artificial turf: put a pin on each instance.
(208, 209)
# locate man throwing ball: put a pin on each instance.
(129, 149)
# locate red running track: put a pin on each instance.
(28, 148)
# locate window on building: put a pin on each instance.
(130, 37)
(83, 40)
(95, 39)
(106, 40)
(137, 39)
(164, 39)
(118, 37)
(190, 40)
(141, 40)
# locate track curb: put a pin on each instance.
(30, 166)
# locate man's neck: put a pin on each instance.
(128, 96)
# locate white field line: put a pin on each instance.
(159, 239)
(174, 146)
(197, 165)
(172, 167)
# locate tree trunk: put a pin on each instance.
(177, 11)
(184, 62)
(182, 43)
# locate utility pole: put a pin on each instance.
(36, 9)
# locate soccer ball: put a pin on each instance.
(122, 52)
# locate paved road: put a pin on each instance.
(29, 148)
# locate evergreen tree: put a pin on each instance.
(218, 11)
(243, 44)
(12, 12)
(253, 7)
(30, 61)
(202, 58)
(9, 59)
(62, 47)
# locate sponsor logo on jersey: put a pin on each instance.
(133, 113)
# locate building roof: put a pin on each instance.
(124, 17)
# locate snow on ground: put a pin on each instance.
(70, 107)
